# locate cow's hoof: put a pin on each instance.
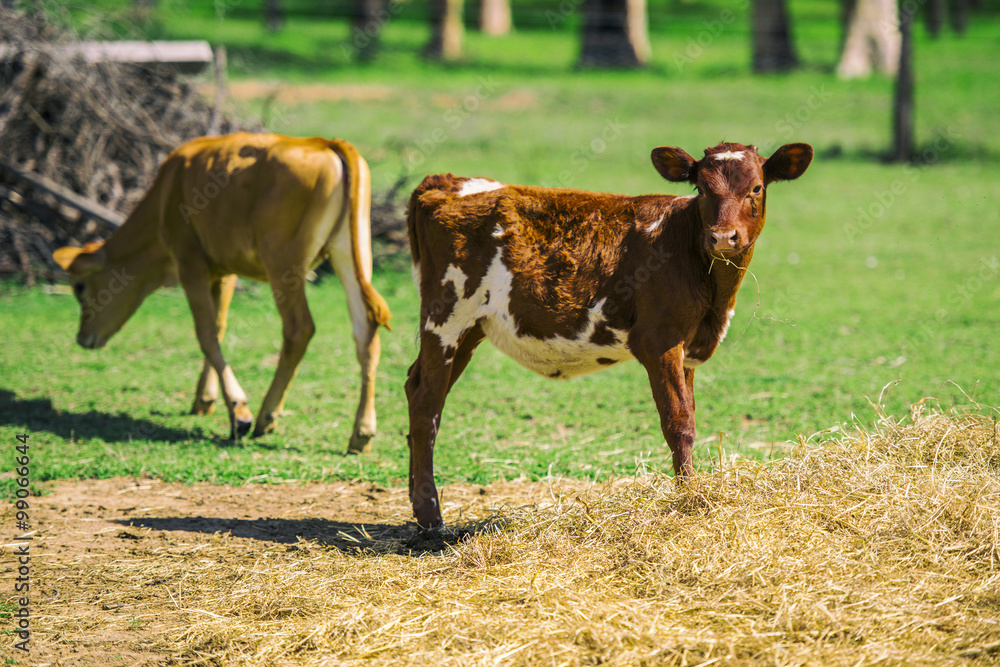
(203, 407)
(360, 444)
(429, 522)
(240, 428)
(264, 426)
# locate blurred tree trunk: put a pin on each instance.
(274, 15)
(902, 115)
(960, 15)
(615, 34)
(494, 17)
(773, 50)
(446, 30)
(935, 17)
(846, 10)
(369, 19)
(873, 40)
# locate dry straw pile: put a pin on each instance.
(879, 548)
(98, 130)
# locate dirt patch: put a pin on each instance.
(309, 93)
(84, 613)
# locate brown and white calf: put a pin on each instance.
(569, 282)
(264, 206)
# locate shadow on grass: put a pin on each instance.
(38, 414)
(355, 538)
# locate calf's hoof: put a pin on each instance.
(203, 406)
(361, 443)
(264, 425)
(240, 428)
(428, 519)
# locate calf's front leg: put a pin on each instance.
(198, 288)
(673, 392)
(207, 391)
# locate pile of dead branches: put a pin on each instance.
(71, 127)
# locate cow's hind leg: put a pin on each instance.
(207, 391)
(199, 292)
(470, 341)
(368, 348)
(297, 330)
(430, 379)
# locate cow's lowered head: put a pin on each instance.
(732, 181)
(109, 291)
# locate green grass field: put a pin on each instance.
(868, 274)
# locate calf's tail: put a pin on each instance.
(359, 193)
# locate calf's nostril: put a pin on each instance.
(724, 239)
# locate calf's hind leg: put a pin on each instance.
(429, 381)
(297, 330)
(368, 347)
(207, 391)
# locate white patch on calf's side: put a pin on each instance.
(730, 155)
(555, 357)
(692, 363)
(465, 312)
(456, 277)
(473, 186)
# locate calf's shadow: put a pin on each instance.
(35, 415)
(355, 538)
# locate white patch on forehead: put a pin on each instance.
(498, 232)
(556, 357)
(730, 155)
(474, 186)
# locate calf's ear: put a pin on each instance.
(79, 261)
(674, 164)
(788, 163)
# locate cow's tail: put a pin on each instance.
(412, 211)
(417, 211)
(359, 190)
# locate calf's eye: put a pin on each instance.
(756, 190)
(699, 190)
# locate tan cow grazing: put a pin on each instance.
(264, 206)
(569, 282)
